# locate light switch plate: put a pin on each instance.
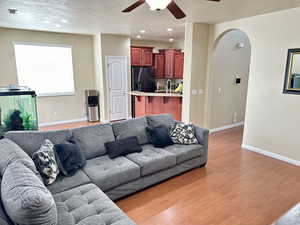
(200, 91)
(194, 92)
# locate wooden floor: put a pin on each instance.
(237, 187)
(69, 125)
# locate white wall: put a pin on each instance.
(109, 45)
(272, 118)
(229, 61)
(52, 109)
(195, 74)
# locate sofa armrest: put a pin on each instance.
(202, 136)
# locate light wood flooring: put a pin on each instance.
(237, 187)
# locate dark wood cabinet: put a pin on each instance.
(147, 56)
(136, 56)
(141, 56)
(159, 65)
(179, 66)
(173, 63)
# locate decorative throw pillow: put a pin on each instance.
(69, 157)
(123, 147)
(159, 136)
(45, 162)
(184, 134)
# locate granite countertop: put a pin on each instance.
(154, 94)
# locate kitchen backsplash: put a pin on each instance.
(162, 83)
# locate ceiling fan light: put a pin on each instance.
(158, 4)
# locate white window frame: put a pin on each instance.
(73, 93)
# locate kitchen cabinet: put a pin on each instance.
(141, 56)
(136, 56)
(147, 56)
(179, 65)
(174, 61)
(159, 66)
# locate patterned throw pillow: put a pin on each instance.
(45, 162)
(183, 134)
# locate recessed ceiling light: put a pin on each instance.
(13, 11)
(142, 31)
(171, 40)
(47, 22)
(58, 25)
(64, 21)
(170, 29)
(139, 36)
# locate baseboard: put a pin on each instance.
(62, 122)
(226, 127)
(272, 155)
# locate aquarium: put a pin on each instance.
(17, 110)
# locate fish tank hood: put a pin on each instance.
(18, 109)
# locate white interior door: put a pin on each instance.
(117, 87)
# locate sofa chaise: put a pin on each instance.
(87, 197)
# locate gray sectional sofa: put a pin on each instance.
(87, 197)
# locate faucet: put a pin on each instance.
(169, 86)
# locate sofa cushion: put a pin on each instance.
(161, 119)
(45, 162)
(11, 152)
(153, 159)
(88, 205)
(69, 157)
(4, 219)
(91, 139)
(159, 136)
(184, 133)
(31, 141)
(108, 173)
(133, 127)
(123, 147)
(64, 183)
(185, 152)
(25, 198)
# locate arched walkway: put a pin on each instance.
(230, 64)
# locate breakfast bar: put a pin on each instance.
(157, 103)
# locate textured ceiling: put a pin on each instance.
(95, 16)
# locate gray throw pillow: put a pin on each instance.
(25, 198)
(46, 163)
(184, 134)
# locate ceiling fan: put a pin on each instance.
(161, 5)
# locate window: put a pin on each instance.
(47, 69)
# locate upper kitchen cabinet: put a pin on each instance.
(147, 56)
(136, 56)
(179, 65)
(174, 61)
(141, 56)
(159, 65)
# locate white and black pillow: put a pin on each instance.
(45, 162)
(184, 134)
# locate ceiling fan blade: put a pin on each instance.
(133, 6)
(175, 10)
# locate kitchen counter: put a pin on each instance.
(154, 94)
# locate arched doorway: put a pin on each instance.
(230, 70)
